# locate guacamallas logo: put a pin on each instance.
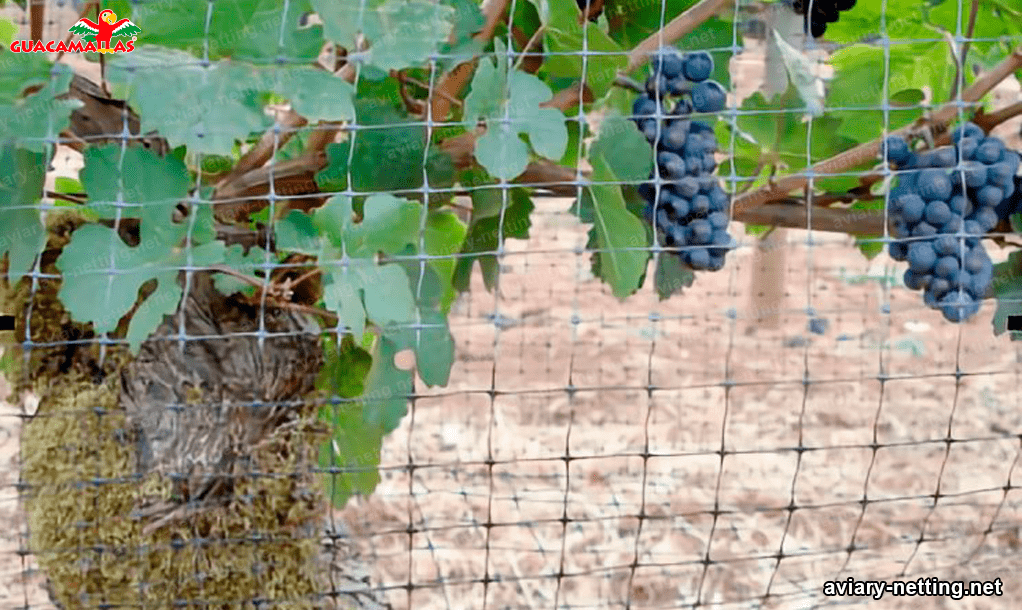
(96, 37)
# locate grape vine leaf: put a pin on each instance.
(102, 275)
(563, 34)
(205, 108)
(627, 153)
(617, 234)
(444, 237)
(500, 150)
(22, 235)
(468, 20)
(430, 338)
(352, 457)
(904, 20)
(388, 153)
(486, 229)
(29, 70)
(36, 120)
(671, 275)
(139, 179)
(858, 85)
(401, 33)
(355, 286)
(239, 29)
(1007, 287)
(315, 94)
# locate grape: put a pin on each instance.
(975, 174)
(912, 208)
(896, 150)
(671, 165)
(898, 250)
(921, 257)
(700, 205)
(698, 258)
(687, 187)
(914, 280)
(990, 151)
(656, 87)
(669, 63)
(958, 306)
(719, 220)
(697, 66)
(989, 196)
(1002, 173)
(945, 245)
(709, 96)
(924, 229)
(946, 267)
(986, 219)
(818, 326)
(967, 147)
(934, 185)
(937, 213)
(967, 130)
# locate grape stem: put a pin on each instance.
(960, 64)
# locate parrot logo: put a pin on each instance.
(107, 28)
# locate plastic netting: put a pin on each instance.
(795, 419)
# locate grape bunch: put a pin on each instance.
(941, 209)
(690, 209)
(818, 13)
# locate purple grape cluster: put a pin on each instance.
(945, 201)
(689, 209)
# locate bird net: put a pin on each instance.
(510, 304)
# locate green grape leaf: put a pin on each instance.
(444, 237)
(352, 456)
(21, 71)
(784, 138)
(1007, 287)
(37, 120)
(140, 179)
(360, 288)
(401, 33)
(468, 20)
(102, 275)
(65, 185)
(431, 338)
(22, 234)
(858, 85)
(671, 275)
(563, 34)
(315, 94)
(617, 234)
(388, 155)
(904, 20)
(205, 108)
(486, 229)
(298, 233)
(239, 29)
(625, 150)
(236, 258)
(500, 150)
